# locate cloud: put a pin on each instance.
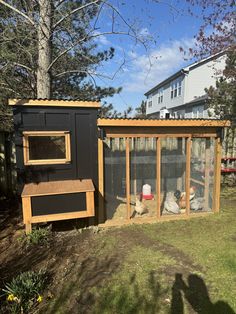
(146, 71)
(101, 39)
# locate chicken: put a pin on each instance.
(197, 203)
(182, 201)
(170, 204)
(140, 208)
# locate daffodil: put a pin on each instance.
(40, 299)
(10, 297)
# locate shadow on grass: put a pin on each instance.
(74, 294)
(196, 293)
(132, 298)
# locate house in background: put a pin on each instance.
(182, 95)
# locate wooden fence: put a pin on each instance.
(7, 164)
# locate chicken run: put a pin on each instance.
(159, 169)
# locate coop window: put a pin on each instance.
(44, 147)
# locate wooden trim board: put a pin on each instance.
(26, 148)
(127, 167)
(63, 216)
(163, 122)
(54, 103)
(158, 176)
(122, 222)
(57, 187)
(161, 131)
(101, 209)
(217, 175)
(187, 174)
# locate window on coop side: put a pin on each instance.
(46, 147)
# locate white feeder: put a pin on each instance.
(147, 190)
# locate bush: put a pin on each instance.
(37, 236)
(25, 290)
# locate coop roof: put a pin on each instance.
(54, 103)
(163, 122)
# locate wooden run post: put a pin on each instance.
(27, 213)
(101, 209)
(207, 173)
(187, 174)
(127, 167)
(158, 176)
(217, 174)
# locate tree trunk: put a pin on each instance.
(44, 49)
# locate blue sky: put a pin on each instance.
(170, 26)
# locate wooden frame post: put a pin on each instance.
(217, 175)
(127, 167)
(101, 208)
(187, 174)
(27, 213)
(158, 176)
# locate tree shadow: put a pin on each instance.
(196, 293)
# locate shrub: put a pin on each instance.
(25, 290)
(37, 236)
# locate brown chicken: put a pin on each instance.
(182, 201)
(140, 208)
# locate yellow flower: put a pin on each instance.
(10, 297)
(40, 299)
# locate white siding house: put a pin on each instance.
(183, 94)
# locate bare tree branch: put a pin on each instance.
(17, 11)
(90, 37)
(73, 12)
(59, 3)
(23, 66)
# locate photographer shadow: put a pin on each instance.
(196, 293)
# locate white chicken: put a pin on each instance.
(197, 203)
(140, 208)
(170, 204)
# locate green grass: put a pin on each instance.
(171, 267)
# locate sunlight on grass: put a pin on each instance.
(145, 268)
(139, 287)
(211, 243)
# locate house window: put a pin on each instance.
(176, 88)
(150, 104)
(46, 147)
(160, 96)
(197, 111)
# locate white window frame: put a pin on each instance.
(160, 95)
(176, 88)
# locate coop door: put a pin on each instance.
(173, 170)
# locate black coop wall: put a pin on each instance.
(82, 126)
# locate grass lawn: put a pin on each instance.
(171, 267)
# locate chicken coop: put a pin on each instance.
(72, 165)
(56, 155)
(158, 169)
